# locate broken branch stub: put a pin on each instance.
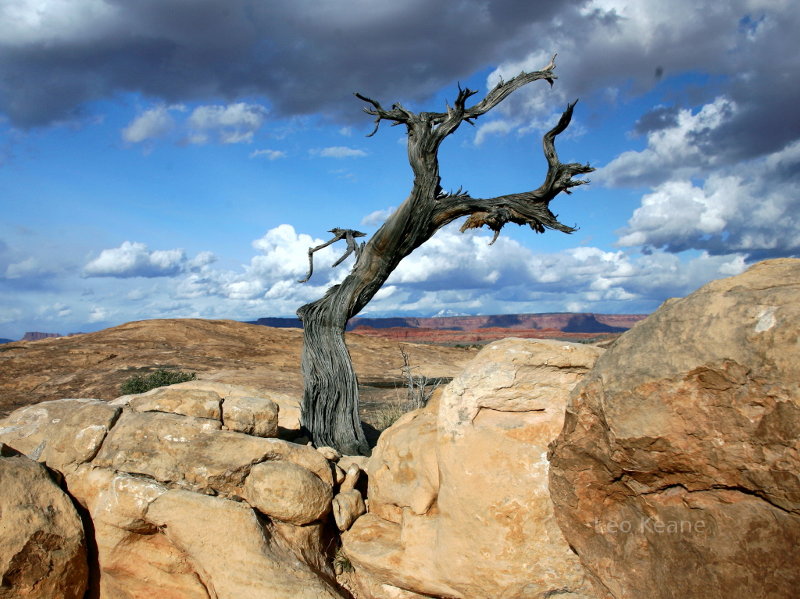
(349, 235)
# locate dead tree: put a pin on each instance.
(330, 400)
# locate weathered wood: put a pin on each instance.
(330, 400)
(352, 246)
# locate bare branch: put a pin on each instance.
(397, 114)
(352, 246)
(527, 208)
(448, 122)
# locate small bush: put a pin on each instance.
(342, 563)
(388, 414)
(159, 378)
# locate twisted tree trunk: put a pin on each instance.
(330, 400)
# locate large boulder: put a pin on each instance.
(677, 473)
(42, 543)
(458, 498)
(63, 433)
(288, 492)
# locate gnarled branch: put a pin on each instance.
(352, 246)
(398, 114)
(447, 122)
(527, 208)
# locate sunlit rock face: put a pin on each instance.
(677, 472)
(458, 491)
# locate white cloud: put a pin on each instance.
(754, 208)
(200, 260)
(227, 124)
(377, 217)
(25, 21)
(54, 311)
(674, 152)
(234, 123)
(98, 314)
(268, 154)
(151, 124)
(498, 127)
(27, 267)
(337, 152)
(273, 274)
(132, 259)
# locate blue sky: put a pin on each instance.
(163, 159)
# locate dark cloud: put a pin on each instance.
(659, 118)
(302, 57)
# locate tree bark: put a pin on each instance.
(330, 400)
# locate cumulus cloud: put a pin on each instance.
(133, 259)
(273, 273)
(681, 149)
(498, 127)
(338, 152)
(754, 208)
(463, 273)
(234, 123)
(153, 123)
(30, 266)
(298, 55)
(458, 272)
(377, 217)
(226, 124)
(617, 49)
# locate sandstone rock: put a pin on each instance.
(195, 402)
(458, 498)
(338, 474)
(204, 527)
(287, 492)
(62, 433)
(288, 406)
(42, 544)
(347, 507)
(257, 416)
(345, 461)
(404, 470)
(157, 542)
(676, 473)
(351, 478)
(194, 453)
(330, 453)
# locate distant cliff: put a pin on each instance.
(567, 322)
(37, 336)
